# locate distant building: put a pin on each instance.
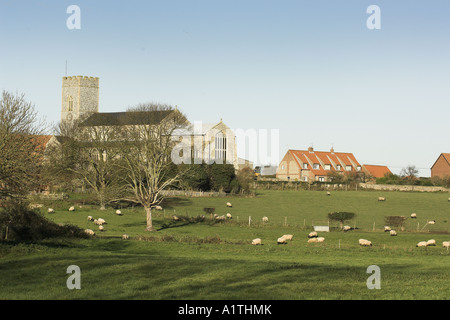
(441, 167)
(309, 165)
(375, 171)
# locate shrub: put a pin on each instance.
(341, 216)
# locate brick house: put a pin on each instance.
(375, 171)
(441, 168)
(309, 165)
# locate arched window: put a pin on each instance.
(220, 148)
(70, 104)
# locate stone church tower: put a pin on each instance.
(80, 95)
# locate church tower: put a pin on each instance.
(80, 95)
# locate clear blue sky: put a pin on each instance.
(311, 69)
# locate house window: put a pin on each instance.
(305, 178)
(305, 166)
(70, 104)
(327, 167)
(348, 168)
(282, 167)
(315, 166)
(322, 179)
(358, 168)
(338, 167)
(220, 148)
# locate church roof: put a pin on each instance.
(126, 118)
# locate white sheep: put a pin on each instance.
(320, 239)
(281, 240)
(220, 218)
(312, 240)
(265, 219)
(101, 228)
(347, 228)
(288, 236)
(365, 243)
(431, 243)
(229, 216)
(72, 208)
(312, 234)
(387, 228)
(381, 199)
(393, 233)
(89, 232)
(118, 212)
(90, 218)
(446, 244)
(125, 237)
(413, 216)
(229, 204)
(101, 221)
(328, 193)
(158, 208)
(421, 244)
(256, 241)
(175, 218)
(431, 222)
(51, 210)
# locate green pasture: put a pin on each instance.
(188, 259)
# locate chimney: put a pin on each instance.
(332, 150)
(311, 149)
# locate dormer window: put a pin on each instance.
(338, 167)
(305, 166)
(316, 166)
(348, 168)
(327, 167)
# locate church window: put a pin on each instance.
(70, 104)
(220, 148)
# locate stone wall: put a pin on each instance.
(392, 187)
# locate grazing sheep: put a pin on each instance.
(421, 244)
(320, 239)
(448, 199)
(288, 236)
(431, 222)
(125, 237)
(220, 218)
(89, 232)
(229, 216)
(312, 234)
(446, 244)
(365, 243)
(281, 240)
(328, 193)
(51, 210)
(72, 208)
(431, 243)
(256, 241)
(265, 219)
(101, 228)
(101, 221)
(90, 218)
(381, 199)
(413, 216)
(175, 218)
(347, 228)
(118, 212)
(387, 228)
(229, 204)
(393, 233)
(158, 208)
(312, 240)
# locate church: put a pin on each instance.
(209, 142)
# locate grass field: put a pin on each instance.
(187, 260)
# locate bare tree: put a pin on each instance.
(21, 150)
(147, 144)
(410, 173)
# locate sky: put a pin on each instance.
(310, 70)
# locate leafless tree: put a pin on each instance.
(21, 150)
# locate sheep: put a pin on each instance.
(118, 212)
(381, 199)
(101, 221)
(89, 232)
(365, 243)
(72, 208)
(387, 229)
(347, 228)
(328, 193)
(413, 216)
(312, 234)
(288, 236)
(281, 240)
(320, 239)
(431, 222)
(158, 208)
(229, 216)
(421, 244)
(229, 205)
(220, 218)
(313, 240)
(125, 237)
(431, 243)
(446, 244)
(90, 218)
(265, 219)
(51, 210)
(256, 241)
(448, 199)
(393, 233)
(175, 218)
(101, 228)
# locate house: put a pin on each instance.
(310, 165)
(441, 167)
(375, 171)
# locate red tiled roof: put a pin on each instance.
(377, 171)
(322, 158)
